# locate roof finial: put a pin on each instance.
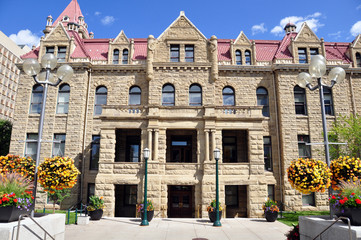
(181, 13)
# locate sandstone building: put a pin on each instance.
(182, 95)
(9, 74)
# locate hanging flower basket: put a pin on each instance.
(345, 169)
(309, 175)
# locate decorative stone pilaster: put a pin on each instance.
(206, 145)
(150, 56)
(214, 57)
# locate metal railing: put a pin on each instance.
(337, 219)
(27, 215)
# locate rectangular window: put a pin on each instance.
(181, 149)
(302, 55)
(231, 196)
(300, 101)
(229, 149)
(304, 151)
(189, 53)
(174, 53)
(133, 149)
(59, 145)
(31, 145)
(94, 156)
(50, 50)
(313, 52)
(61, 54)
(267, 153)
(308, 199)
(271, 192)
(327, 95)
(91, 191)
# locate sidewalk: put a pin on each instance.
(177, 229)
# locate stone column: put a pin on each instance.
(150, 55)
(213, 134)
(156, 137)
(214, 57)
(206, 134)
(150, 136)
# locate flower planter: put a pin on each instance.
(11, 213)
(354, 214)
(150, 215)
(96, 214)
(212, 216)
(271, 216)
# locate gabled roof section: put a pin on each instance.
(306, 34)
(283, 52)
(97, 49)
(58, 34)
(72, 11)
(357, 42)
(337, 51)
(242, 39)
(121, 38)
(182, 22)
(32, 54)
(80, 50)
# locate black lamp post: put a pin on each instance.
(145, 217)
(217, 154)
(32, 68)
(317, 69)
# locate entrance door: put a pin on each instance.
(180, 202)
(125, 200)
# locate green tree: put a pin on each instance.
(5, 136)
(58, 196)
(346, 129)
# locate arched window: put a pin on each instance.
(100, 99)
(238, 57)
(262, 100)
(168, 95)
(228, 96)
(247, 55)
(327, 95)
(63, 99)
(300, 100)
(36, 99)
(195, 95)
(125, 56)
(115, 56)
(358, 59)
(134, 95)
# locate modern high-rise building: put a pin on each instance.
(9, 74)
(182, 95)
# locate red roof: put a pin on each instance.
(224, 46)
(337, 51)
(140, 49)
(72, 11)
(32, 54)
(266, 49)
(97, 49)
(283, 52)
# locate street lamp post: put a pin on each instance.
(217, 154)
(32, 68)
(317, 69)
(145, 219)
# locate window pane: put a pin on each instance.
(94, 157)
(228, 100)
(31, 147)
(62, 108)
(302, 56)
(59, 148)
(270, 191)
(134, 99)
(195, 99)
(308, 199)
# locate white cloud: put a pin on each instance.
(97, 13)
(107, 20)
(356, 29)
(25, 37)
(312, 21)
(358, 7)
(258, 29)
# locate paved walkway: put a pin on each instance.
(177, 229)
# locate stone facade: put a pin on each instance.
(181, 136)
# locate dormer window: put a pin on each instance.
(125, 56)
(247, 55)
(189, 50)
(302, 55)
(358, 59)
(61, 54)
(50, 50)
(313, 52)
(238, 57)
(115, 56)
(174, 53)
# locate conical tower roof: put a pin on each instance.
(72, 11)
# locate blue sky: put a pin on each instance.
(333, 20)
